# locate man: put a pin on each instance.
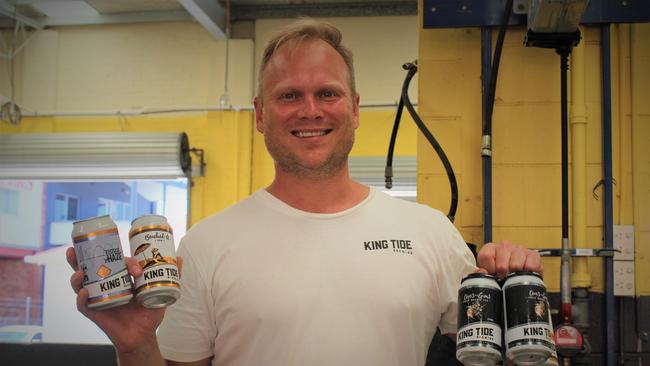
(316, 269)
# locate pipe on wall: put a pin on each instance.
(486, 153)
(608, 203)
(578, 123)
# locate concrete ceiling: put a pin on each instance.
(211, 14)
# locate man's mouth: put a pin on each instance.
(311, 133)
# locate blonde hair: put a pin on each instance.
(307, 29)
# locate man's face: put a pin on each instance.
(308, 114)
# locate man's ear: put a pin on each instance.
(355, 111)
(259, 120)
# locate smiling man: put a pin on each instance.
(316, 269)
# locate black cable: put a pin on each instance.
(388, 172)
(564, 120)
(412, 69)
(487, 128)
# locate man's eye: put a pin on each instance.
(328, 94)
(288, 96)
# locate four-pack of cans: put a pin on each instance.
(99, 254)
(512, 320)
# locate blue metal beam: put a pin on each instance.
(482, 13)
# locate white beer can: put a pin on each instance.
(99, 255)
(152, 245)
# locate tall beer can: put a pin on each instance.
(528, 328)
(152, 245)
(99, 254)
(478, 340)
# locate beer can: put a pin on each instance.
(152, 245)
(478, 340)
(99, 254)
(528, 327)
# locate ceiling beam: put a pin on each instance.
(325, 9)
(119, 18)
(10, 11)
(28, 2)
(209, 13)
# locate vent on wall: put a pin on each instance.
(369, 170)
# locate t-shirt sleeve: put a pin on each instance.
(458, 261)
(188, 330)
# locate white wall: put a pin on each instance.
(25, 229)
(62, 322)
(178, 64)
(380, 46)
(131, 66)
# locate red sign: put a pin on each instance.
(568, 336)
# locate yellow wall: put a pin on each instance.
(129, 67)
(371, 139)
(526, 139)
(225, 136)
(237, 161)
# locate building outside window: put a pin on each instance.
(66, 207)
(36, 219)
(8, 201)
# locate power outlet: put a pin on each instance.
(624, 241)
(624, 278)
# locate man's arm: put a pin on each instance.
(148, 354)
(131, 327)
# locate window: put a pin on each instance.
(369, 170)
(118, 210)
(8, 201)
(66, 207)
(33, 241)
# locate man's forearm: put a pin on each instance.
(146, 355)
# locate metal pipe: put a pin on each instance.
(580, 276)
(486, 153)
(565, 284)
(608, 210)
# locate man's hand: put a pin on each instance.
(129, 326)
(502, 259)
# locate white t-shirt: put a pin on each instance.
(267, 284)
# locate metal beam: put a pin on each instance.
(138, 17)
(28, 2)
(10, 11)
(209, 14)
(333, 9)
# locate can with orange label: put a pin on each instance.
(99, 255)
(152, 245)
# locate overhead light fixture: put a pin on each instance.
(554, 23)
(555, 16)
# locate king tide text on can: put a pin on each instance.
(528, 328)
(152, 245)
(478, 340)
(99, 255)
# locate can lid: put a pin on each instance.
(524, 273)
(478, 275)
(149, 217)
(89, 218)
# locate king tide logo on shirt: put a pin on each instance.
(395, 245)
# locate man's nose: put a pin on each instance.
(310, 108)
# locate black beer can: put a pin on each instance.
(478, 340)
(528, 327)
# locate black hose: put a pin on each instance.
(388, 172)
(412, 69)
(487, 127)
